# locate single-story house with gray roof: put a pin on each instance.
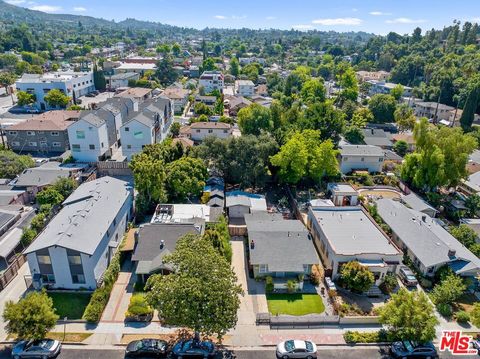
(416, 203)
(153, 241)
(345, 234)
(279, 248)
(425, 241)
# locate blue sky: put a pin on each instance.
(375, 16)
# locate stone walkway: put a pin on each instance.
(120, 297)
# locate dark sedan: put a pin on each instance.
(147, 348)
(411, 349)
(194, 348)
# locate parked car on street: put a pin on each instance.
(304, 349)
(44, 349)
(194, 348)
(147, 348)
(407, 277)
(411, 349)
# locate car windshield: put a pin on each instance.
(411, 277)
(289, 345)
(309, 346)
(408, 346)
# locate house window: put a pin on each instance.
(48, 278)
(380, 159)
(129, 147)
(43, 259)
(80, 135)
(225, 131)
(127, 129)
(43, 143)
(13, 133)
(55, 133)
(56, 144)
(15, 143)
(198, 131)
(363, 159)
(75, 148)
(30, 133)
(138, 135)
(263, 268)
(210, 131)
(75, 259)
(32, 144)
(92, 147)
(102, 144)
(78, 279)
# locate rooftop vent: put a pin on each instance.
(452, 252)
(162, 244)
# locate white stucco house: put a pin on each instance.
(244, 88)
(88, 138)
(200, 130)
(75, 248)
(211, 80)
(361, 158)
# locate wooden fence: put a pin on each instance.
(11, 272)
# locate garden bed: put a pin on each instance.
(295, 304)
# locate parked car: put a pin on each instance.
(44, 348)
(194, 348)
(304, 349)
(147, 347)
(407, 277)
(411, 349)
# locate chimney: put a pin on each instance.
(162, 244)
(452, 252)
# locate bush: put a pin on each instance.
(462, 317)
(316, 275)
(354, 337)
(138, 306)
(445, 309)
(269, 284)
(28, 235)
(291, 285)
(389, 283)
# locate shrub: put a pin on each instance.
(445, 309)
(291, 286)
(28, 235)
(138, 306)
(389, 283)
(354, 337)
(356, 277)
(269, 284)
(462, 317)
(316, 275)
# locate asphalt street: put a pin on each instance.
(335, 353)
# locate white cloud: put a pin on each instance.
(302, 27)
(46, 8)
(354, 9)
(405, 20)
(220, 17)
(236, 17)
(15, 2)
(353, 21)
(270, 18)
(79, 9)
(233, 17)
(380, 13)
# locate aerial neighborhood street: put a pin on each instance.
(239, 183)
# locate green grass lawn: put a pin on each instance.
(71, 305)
(295, 304)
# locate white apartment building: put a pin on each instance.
(72, 84)
(212, 80)
(245, 88)
(88, 138)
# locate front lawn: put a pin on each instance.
(466, 302)
(295, 304)
(70, 305)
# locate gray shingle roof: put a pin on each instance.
(85, 217)
(351, 232)
(361, 150)
(425, 237)
(416, 203)
(377, 137)
(284, 245)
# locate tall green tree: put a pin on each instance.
(404, 118)
(470, 108)
(325, 118)
(448, 290)
(410, 316)
(99, 79)
(13, 164)
(383, 108)
(32, 317)
(234, 67)
(356, 277)
(253, 119)
(56, 98)
(185, 177)
(25, 98)
(49, 196)
(313, 91)
(202, 294)
(292, 159)
(165, 72)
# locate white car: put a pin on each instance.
(297, 349)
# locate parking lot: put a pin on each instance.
(88, 101)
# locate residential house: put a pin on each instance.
(211, 80)
(244, 88)
(343, 194)
(279, 248)
(10, 247)
(139, 94)
(121, 80)
(361, 157)
(200, 130)
(382, 87)
(345, 234)
(43, 134)
(416, 203)
(72, 84)
(185, 213)
(138, 68)
(377, 137)
(425, 241)
(471, 185)
(404, 136)
(153, 241)
(473, 164)
(75, 248)
(239, 203)
(235, 104)
(88, 138)
(209, 101)
(33, 180)
(251, 60)
(179, 97)
(433, 110)
(194, 71)
(364, 76)
(261, 90)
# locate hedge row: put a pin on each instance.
(101, 295)
(354, 337)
